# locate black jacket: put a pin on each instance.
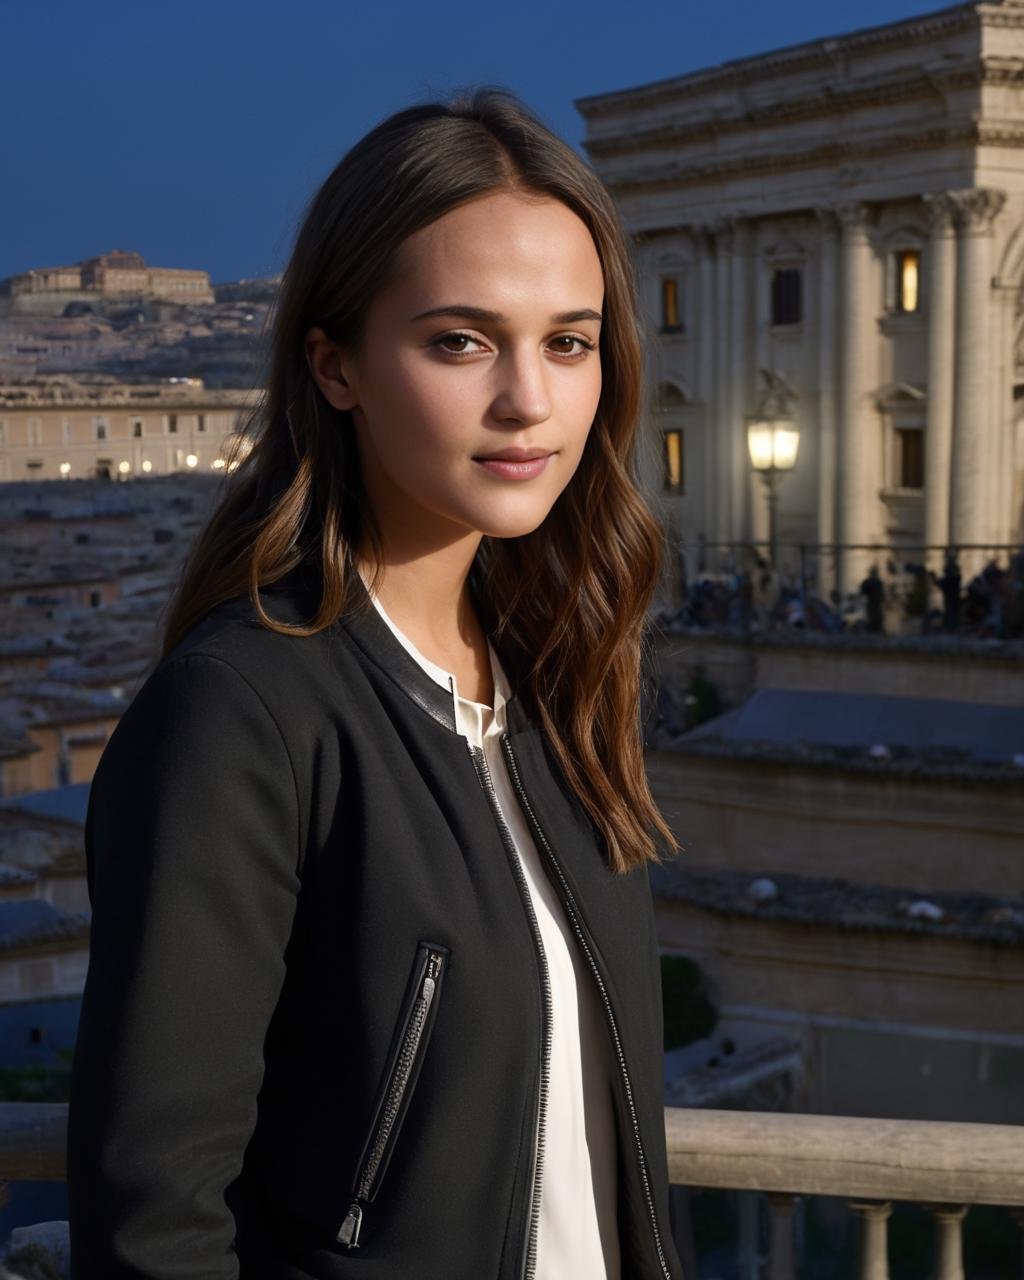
(313, 1026)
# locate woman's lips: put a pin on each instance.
(511, 470)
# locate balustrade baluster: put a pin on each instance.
(749, 1253)
(781, 1254)
(1018, 1217)
(949, 1252)
(873, 1262)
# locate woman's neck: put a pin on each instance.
(429, 599)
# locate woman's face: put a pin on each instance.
(485, 340)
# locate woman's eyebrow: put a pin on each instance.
(466, 312)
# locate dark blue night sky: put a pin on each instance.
(195, 131)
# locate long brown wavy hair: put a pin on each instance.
(565, 604)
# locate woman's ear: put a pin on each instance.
(324, 358)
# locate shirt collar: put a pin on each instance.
(447, 679)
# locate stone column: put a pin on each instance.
(761, 357)
(704, 252)
(1002, 472)
(828, 292)
(856, 435)
(976, 210)
(739, 383)
(722, 513)
(938, 435)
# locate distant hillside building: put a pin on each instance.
(844, 220)
(61, 428)
(119, 274)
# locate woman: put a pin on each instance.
(374, 981)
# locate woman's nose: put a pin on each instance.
(522, 393)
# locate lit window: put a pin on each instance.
(674, 473)
(910, 459)
(907, 275)
(786, 296)
(671, 307)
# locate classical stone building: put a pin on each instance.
(56, 427)
(119, 274)
(841, 222)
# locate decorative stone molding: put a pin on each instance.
(977, 208)
(899, 395)
(671, 260)
(828, 219)
(778, 397)
(941, 209)
(1009, 14)
(702, 234)
(803, 57)
(784, 250)
(903, 235)
(853, 218)
(672, 393)
(999, 135)
(725, 234)
(672, 175)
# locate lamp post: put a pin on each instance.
(773, 440)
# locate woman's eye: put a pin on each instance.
(456, 338)
(457, 344)
(574, 338)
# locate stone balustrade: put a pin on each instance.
(944, 1166)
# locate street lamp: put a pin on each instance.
(773, 440)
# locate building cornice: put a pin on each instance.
(134, 399)
(668, 177)
(824, 102)
(801, 57)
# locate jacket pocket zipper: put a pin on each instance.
(400, 1081)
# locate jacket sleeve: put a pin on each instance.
(193, 848)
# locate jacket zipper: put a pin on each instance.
(385, 1128)
(570, 905)
(484, 774)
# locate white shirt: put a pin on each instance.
(578, 1231)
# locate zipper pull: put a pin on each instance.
(349, 1233)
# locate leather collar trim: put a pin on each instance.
(378, 645)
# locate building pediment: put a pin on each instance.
(899, 395)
